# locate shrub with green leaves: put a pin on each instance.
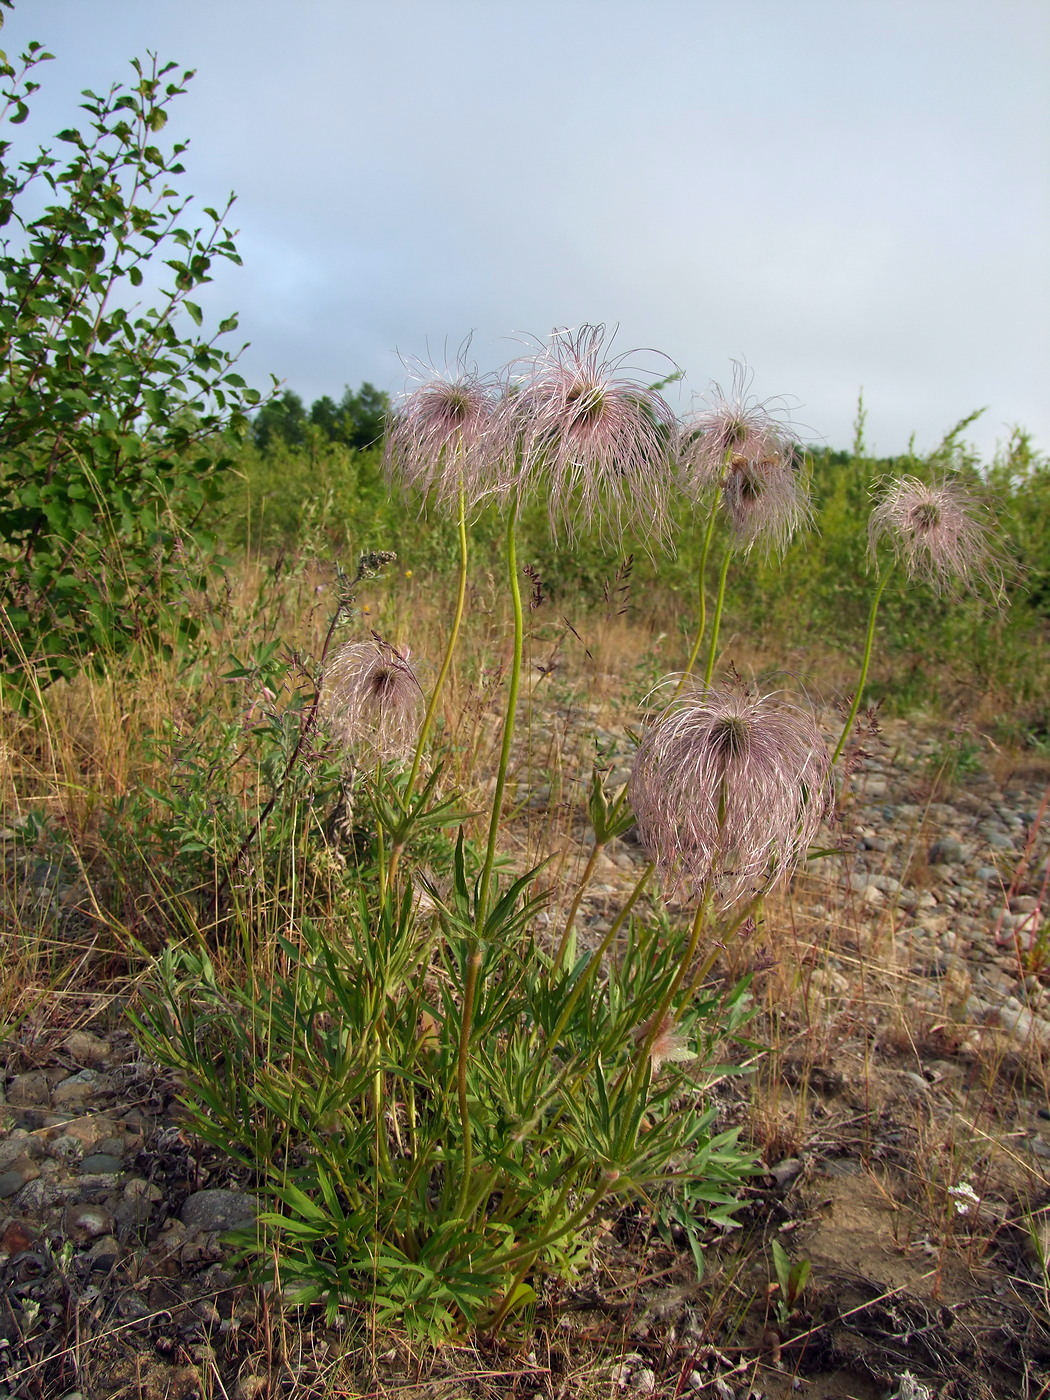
(112, 416)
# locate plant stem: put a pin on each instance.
(305, 729)
(595, 961)
(453, 637)
(702, 597)
(716, 624)
(469, 993)
(868, 645)
(485, 881)
(585, 879)
(508, 723)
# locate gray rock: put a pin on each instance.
(87, 1049)
(987, 874)
(30, 1090)
(79, 1088)
(104, 1253)
(10, 1183)
(998, 840)
(17, 1144)
(132, 1214)
(101, 1162)
(219, 1209)
(946, 851)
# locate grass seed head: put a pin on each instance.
(729, 789)
(372, 700)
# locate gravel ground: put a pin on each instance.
(110, 1217)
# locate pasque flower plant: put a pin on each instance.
(472, 1086)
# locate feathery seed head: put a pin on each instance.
(940, 533)
(666, 1044)
(747, 449)
(371, 699)
(440, 436)
(594, 439)
(729, 789)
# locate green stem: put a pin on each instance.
(453, 637)
(485, 881)
(595, 962)
(585, 879)
(702, 596)
(868, 645)
(508, 723)
(719, 604)
(469, 994)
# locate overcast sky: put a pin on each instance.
(843, 193)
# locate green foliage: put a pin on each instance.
(339, 1079)
(111, 414)
(357, 420)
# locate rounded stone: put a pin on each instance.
(946, 851)
(83, 1223)
(218, 1209)
(100, 1162)
(10, 1183)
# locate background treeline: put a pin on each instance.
(312, 481)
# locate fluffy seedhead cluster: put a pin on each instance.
(442, 438)
(940, 532)
(729, 789)
(371, 700)
(592, 439)
(745, 449)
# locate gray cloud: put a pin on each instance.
(844, 195)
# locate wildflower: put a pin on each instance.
(939, 532)
(595, 441)
(742, 447)
(440, 437)
(372, 699)
(963, 1197)
(729, 789)
(667, 1046)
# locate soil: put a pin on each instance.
(902, 1113)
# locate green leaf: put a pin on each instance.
(195, 313)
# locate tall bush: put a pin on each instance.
(114, 413)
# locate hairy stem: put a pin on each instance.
(469, 993)
(508, 723)
(716, 624)
(453, 637)
(862, 679)
(585, 880)
(701, 625)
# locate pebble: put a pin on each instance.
(945, 851)
(218, 1209)
(87, 1049)
(84, 1223)
(100, 1162)
(30, 1090)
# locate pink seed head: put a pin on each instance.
(940, 532)
(440, 437)
(371, 699)
(747, 449)
(593, 439)
(729, 789)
